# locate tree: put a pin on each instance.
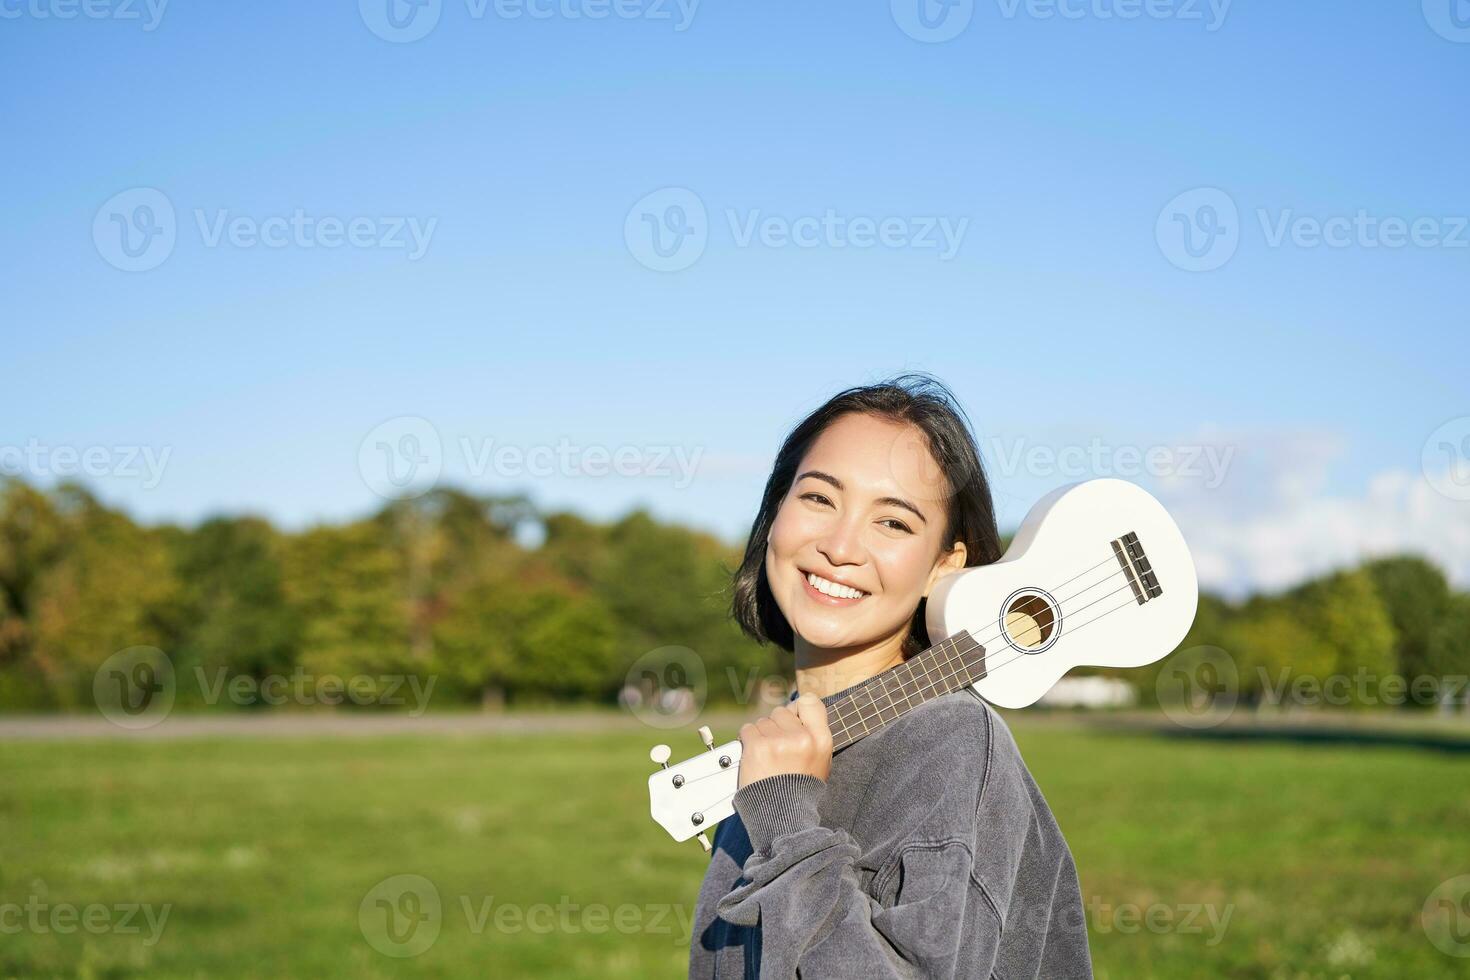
(106, 591)
(230, 614)
(1416, 595)
(1447, 653)
(1345, 612)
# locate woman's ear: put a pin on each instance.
(951, 561)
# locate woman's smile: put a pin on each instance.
(829, 593)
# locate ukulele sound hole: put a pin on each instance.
(1030, 621)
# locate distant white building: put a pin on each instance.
(1089, 692)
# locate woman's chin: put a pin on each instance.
(828, 636)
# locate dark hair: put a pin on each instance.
(915, 398)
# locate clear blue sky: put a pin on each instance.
(1060, 319)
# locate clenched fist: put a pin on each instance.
(792, 738)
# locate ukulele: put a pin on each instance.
(1097, 575)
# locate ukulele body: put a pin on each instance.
(1098, 574)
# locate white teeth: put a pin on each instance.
(832, 588)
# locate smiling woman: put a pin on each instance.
(925, 849)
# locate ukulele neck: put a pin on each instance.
(862, 709)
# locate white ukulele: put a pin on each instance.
(1097, 575)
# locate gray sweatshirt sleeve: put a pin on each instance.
(802, 886)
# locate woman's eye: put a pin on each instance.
(901, 525)
(813, 495)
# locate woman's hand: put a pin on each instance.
(792, 738)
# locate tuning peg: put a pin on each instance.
(706, 736)
(660, 755)
(705, 841)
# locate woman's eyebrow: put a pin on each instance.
(891, 501)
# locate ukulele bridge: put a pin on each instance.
(1141, 577)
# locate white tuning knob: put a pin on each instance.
(660, 754)
(706, 736)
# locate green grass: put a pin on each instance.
(264, 849)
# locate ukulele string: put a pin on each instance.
(953, 658)
(879, 679)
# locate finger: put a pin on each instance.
(767, 727)
(813, 714)
(787, 720)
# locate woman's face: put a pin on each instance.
(866, 511)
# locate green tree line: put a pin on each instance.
(442, 587)
(1390, 632)
(437, 586)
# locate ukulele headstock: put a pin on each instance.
(689, 798)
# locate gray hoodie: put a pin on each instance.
(928, 852)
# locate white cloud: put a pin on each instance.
(1273, 523)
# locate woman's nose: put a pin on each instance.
(841, 544)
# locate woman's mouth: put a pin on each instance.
(834, 594)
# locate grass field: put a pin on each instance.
(265, 854)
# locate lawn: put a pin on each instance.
(277, 857)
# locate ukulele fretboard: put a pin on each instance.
(863, 708)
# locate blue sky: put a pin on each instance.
(1068, 155)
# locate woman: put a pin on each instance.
(924, 849)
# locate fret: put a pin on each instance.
(949, 680)
(928, 672)
(887, 694)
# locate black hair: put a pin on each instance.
(915, 398)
